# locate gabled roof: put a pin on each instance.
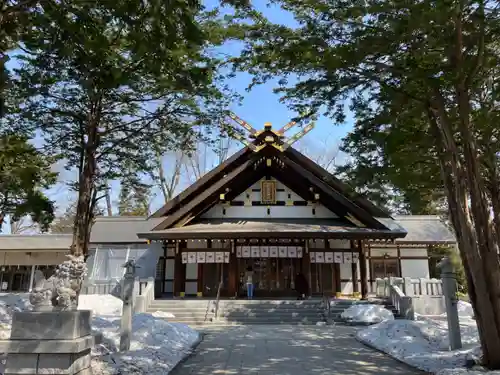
(290, 167)
(294, 156)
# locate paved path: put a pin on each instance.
(287, 350)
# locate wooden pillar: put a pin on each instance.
(354, 270)
(200, 280)
(363, 270)
(338, 281)
(306, 268)
(179, 271)
(233, 272)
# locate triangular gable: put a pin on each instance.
(267, 162)
(335, 183)
(289, 205)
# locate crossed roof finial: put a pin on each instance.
(254, 133)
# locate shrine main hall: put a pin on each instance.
(268, 207)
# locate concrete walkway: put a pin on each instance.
(287, 350)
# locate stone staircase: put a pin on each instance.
(247, 312)
(199, 312)
(191, 312)
(239, 312)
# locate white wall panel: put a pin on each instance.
(415, 268)
(413, 252)
(345, 271)
(275, 212)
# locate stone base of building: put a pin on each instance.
(50, 342)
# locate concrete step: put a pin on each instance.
(268, 311)
(182, 314)
(178, 308)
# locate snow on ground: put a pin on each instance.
(424, 343)
(103, 305)
(156, 347)
(10, 302)
(465, 309)
(367, 313)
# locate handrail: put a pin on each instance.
(217, 300)
(327, 307)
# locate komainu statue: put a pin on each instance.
(60, 291)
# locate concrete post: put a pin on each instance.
(128, 304)
(32, 279)
(408, 286)
(423, 286)
(450, 296)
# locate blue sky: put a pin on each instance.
(258, 106)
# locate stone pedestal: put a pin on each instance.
(50, 342)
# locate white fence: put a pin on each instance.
(410, 287)
(410, 296)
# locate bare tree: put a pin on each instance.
(168, 173)
(207, 156)
(24, 225)
(324, 152)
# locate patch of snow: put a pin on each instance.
(424, 344)
(156, 345)
(103, 305)
(163, 314)
(465, 309)
(367, 313)
(9, 303)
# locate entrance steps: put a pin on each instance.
(239, 312)
(190, 312)
(247, 312)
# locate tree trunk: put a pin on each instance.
(109, 206)
(2, 220)
(84, 211)
(474, 234)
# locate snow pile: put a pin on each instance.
(424, 344)
(156, 345)
(8, 304)
(465, 309)
(367, 313)
(103, 305)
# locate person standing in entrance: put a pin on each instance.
(301, 286)
(249, 281)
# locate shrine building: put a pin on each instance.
(269, 207)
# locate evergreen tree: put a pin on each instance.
(24, 173)
(135, 198)
(114, 81)
(424, 75)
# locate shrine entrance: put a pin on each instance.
(272, 277)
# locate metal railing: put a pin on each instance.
(327, 308)
(217, 300)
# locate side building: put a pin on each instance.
(268, 208)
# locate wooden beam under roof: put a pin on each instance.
(334, 182)
(193, 190)
(302, 188)
(358, 212)
(238, 186)
(184, 210)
